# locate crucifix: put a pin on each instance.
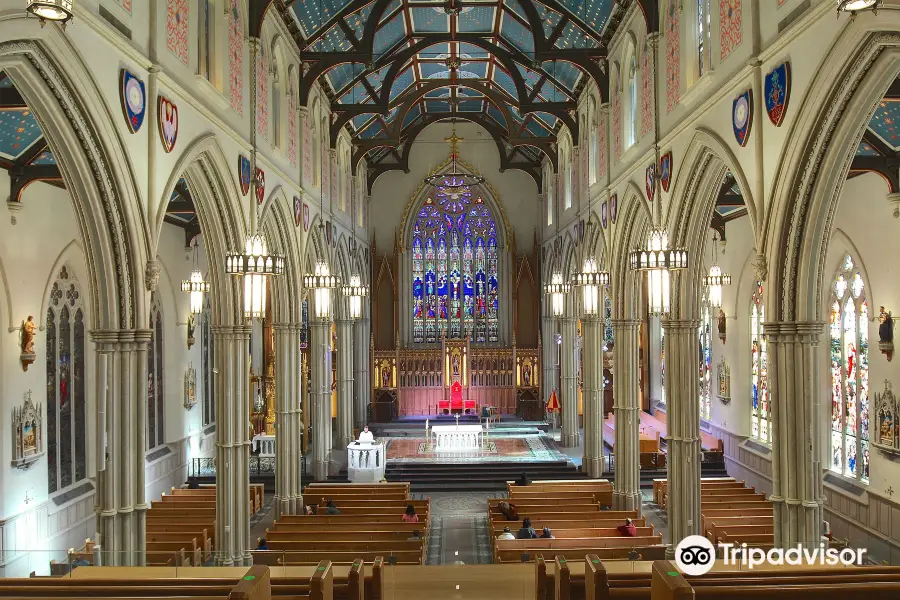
(454, 141)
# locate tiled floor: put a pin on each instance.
(501, 448)
(458, 528)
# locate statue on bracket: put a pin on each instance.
(28, 332)
(191, 327)
(190, 387)
(886, 334)
(27, 427)
(723, 326)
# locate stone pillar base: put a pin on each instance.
(320, 470)
(623, 501)
(570, 440)
(593, 466)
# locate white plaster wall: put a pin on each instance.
(516, 190)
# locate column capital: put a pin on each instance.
(287, 327)
(676, 324)
(120, 336)
(318, 323)
(238, 330)
(793, 331)
(625, 324)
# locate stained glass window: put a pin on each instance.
(607, 322)
(849, 373)
(155, 381)
(705, 359)
(761, 415)
(66, 398)
(455, 281)
(209, 401)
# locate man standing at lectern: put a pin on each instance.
(366, 436)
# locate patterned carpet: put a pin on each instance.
(458, 529)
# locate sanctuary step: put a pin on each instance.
(474, 476)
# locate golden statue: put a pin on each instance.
(28, 331)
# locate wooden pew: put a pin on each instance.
(718, 524)
(313, 527)
(272, 558)
(513, 550)
(276, 535)
(351, 587)
(204, 542)
(257, 494)
(563, 529)
(193, 553)
(660, 485)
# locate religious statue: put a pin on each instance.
(27, 424)
(887, 433)
(455, 365)
(385, 377)
(886, 334)
(526, 376)
(191, 327)
(190, 387)
(28, 332)
(722, 325)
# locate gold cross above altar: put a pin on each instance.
(454, 141)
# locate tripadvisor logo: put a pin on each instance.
(695, 555)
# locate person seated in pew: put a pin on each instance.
(628, 529)
(526, 532)
(546, 534)
(523, 479)
(308, 510)
(506, 535)
(262, 545)
(331, 509)
(410, 515)
(415, 537)
(508, 510)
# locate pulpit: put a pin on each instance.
(456, 403)
(365, 462)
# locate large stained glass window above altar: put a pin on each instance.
(455, 287)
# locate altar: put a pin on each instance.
(456, 438)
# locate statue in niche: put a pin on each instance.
(886, 333)
(720, 318)
(191, 327)
(385, 376)
(27, 440)
(29, 329)
(455, 362)
(886, 412)
(526, 376)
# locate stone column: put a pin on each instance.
(121, 420)
(592, 328)
(232, 444)
(569, 367)
(320, 378)
(344, 383)
(302, 116)
(548, 359)
(288, 421)
(361, 382)
(626, 408)
(683, 439)
(797, 490)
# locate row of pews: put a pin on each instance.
(370, 525)
(573, 512)
(593, 579)
(181, 525)
(732, 513)
(652, 430)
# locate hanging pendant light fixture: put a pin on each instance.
(59, 11)
(716, 279)
(855, 6)
(454, 181)
(590, 280)
(556, 290)
(255, 264)
(322, 282)
(195, 286)
(658, 260)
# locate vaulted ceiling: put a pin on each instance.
(392, 67)
(879, 150)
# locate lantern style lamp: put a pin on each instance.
(854, 6)
(255, 265)
(716, 279)
(195, 286)
(60, 11)
(557, 290)
(322, 282)
(355, 291)
(659, 261)
(591, 280)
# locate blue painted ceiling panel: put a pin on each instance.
(389, 34)
(477, 19)
(430, 20)
(18, 131)
(885, 122)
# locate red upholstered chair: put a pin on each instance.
(456, 399)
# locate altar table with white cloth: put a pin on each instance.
(456, 438)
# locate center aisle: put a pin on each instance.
(459, 528)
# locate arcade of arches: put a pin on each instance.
(145, 143)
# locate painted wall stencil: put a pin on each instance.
(133, 95)
(305, 216)
(260, 185)
(603, 215)
(298, 211)
(742, 117)
(665, 170)
(244, 173)
(613, 208)
(778, 92)
(167, 114)
(651, 182)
